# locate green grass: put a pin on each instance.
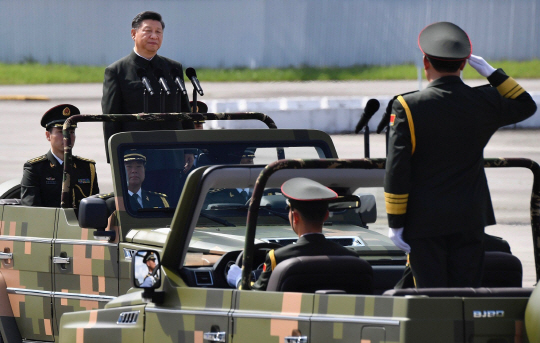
(35, 73)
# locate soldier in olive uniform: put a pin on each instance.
(436, 192)
(135, 164)
(41, 184)
(308, 209)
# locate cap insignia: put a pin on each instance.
(66, 112)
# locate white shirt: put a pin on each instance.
(57, 158)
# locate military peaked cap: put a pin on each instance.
(248, 153)
(445, 41)
(302, 189)
(57, 115)
(201, 108)
(134, 156)
(149, 256)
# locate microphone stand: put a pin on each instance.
(145, 101)
(162, 96)
(366, 141)
(194, 99)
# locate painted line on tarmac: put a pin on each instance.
(25, 97)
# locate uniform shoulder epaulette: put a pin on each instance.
(160, 194)
(108, 195)
(37, 159)
(84, 159)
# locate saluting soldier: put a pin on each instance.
(41, 184)
(308, 209)
(436, 192)
(135, 164)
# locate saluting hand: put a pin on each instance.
(481, 66)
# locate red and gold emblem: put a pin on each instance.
(66, 112)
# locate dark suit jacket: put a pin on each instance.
(41, 184)
(123, 94)
(307, 245)
(435, 181)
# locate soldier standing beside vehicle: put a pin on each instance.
(41, 184)
(436, 191)
(135, 164)
(122, 85)
(308, 210)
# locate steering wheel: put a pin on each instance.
(259, 247)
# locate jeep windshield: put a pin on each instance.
(153, 176)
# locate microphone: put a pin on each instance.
(142, 74)
(179, 80)
(372, 106)
(162, 81)
(386, 117)
(192, 75)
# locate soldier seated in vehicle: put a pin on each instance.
(41, 184)
(308, 210)
(233, 195)
(135, 164)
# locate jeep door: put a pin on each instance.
(85, 269)
(26, 233)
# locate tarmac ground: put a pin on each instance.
(23, 138)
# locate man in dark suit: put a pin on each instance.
(122, 85)
(436, 191)
(41, 184)
(135, 164)
(308, 209)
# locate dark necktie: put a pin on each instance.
(134, 201)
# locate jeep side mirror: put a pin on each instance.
(368, 208)
(146, 274)
(94, 214)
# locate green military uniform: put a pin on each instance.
(435, 185)
(303, 193)
(41, 184)
(150, 200)
(314, 244)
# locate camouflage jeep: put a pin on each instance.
(190, 301)
(59, 260)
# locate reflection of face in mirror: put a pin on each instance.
(135, 173)
(147, 270)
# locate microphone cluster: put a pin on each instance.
(176, 75)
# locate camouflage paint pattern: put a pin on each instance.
(101, 326)
(270, 316)
(28, 233)
(92, 271)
